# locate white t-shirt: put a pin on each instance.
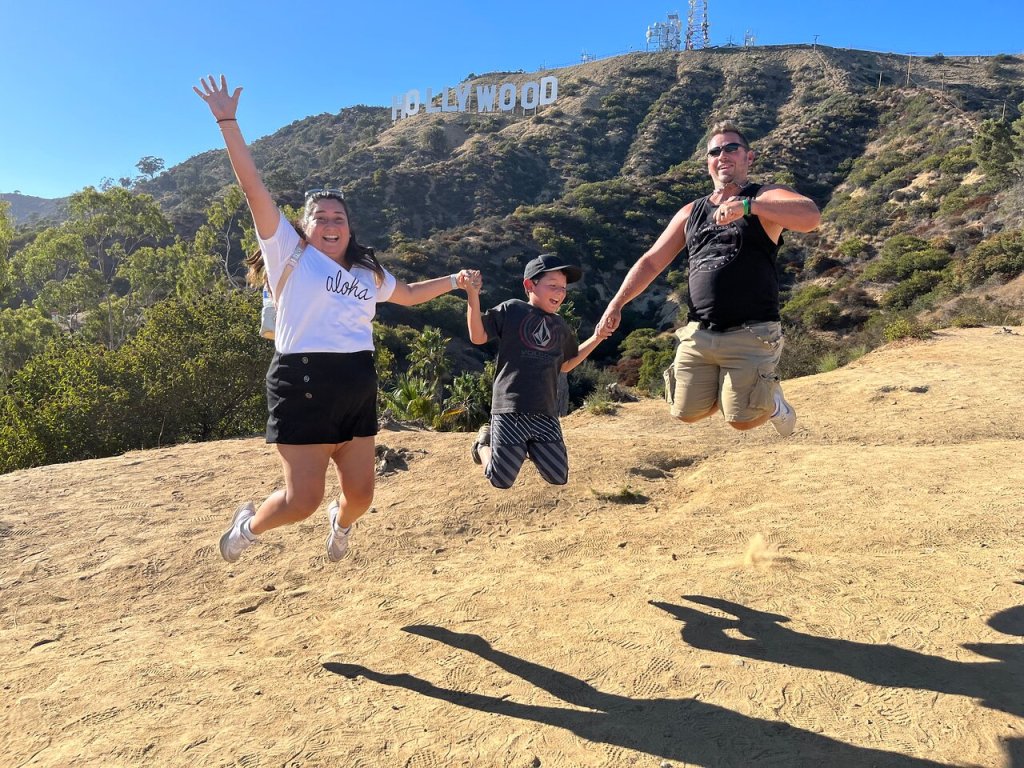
(323, 307)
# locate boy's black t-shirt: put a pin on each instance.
(532, 345)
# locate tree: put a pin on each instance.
(429, 359)
(55, 271)
(228, 228)
(150, 166)
(993, 149)
(6, 236)
(69, 403)
(113, 224)
(469, 399)
(1018, 142)
(24, 332)
(79, 272)
(201, 366)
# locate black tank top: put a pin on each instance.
(733, 278)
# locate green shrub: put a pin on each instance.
(904, 255)
(905, 327)
(1001, 255)
(828, 362)
(972, 312)
(600, 404)
(852, 247)
(811, 307)
(652, 367)
(904, 294)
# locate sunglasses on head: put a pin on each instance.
(729, 148)
(316, 194)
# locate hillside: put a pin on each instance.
(880, 141)
(849, 597)
(26, 209)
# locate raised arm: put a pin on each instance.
(474, 319)
(224, 107)
(646, 269)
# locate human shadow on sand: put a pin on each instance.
(997, 684)
(684, 730)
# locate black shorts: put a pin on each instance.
(321, 397)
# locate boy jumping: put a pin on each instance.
(535, 344)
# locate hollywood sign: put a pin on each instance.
(489, 98)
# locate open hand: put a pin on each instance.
(222, 104)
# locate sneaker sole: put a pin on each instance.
(239, 513)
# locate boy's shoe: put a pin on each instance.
(234, 541)
(483, 437)
(784, 419)
(337, 539)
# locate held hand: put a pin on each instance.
(221, 104)
(470, 280)
(609, 323)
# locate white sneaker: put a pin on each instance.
(337, 540)
(483, 437)
(234, 541)
(784, 419)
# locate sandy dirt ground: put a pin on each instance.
(851, 596)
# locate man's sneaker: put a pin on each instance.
(234, 541)
(784, 419)
(337, 539)
(483, 437)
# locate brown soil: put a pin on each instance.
(851, 596)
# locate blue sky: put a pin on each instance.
(90, 87)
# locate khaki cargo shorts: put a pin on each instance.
(734, 368)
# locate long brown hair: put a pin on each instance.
(255, 276)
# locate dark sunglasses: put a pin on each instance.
(316, 194)
(731, 147)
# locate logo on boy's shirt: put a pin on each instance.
(536, 333)
(350, 287)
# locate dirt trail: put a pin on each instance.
(852, 596)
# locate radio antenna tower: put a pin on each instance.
(665, 35)
(697, 21)
(748, 39)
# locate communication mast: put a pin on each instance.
(748, 39)
(586, 57)
(665, 35)
(697, 22)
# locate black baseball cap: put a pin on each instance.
(551, 262)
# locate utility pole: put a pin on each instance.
(814, 45)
